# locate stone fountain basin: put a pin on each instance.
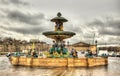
(59, 34)
(59, 62)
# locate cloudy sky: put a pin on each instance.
(27, 19)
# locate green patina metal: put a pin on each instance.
(58, 50)
(59, 33)
(59, 18)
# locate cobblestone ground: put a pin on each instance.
(6, 69)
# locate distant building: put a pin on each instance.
(12, 45)
(81, 46)
(112, 50)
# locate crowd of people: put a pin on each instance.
(73, 53)
(77, 54)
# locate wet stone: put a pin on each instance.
(6, 69)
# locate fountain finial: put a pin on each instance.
(59, 14)
(62, 19)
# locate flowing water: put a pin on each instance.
(6, 69)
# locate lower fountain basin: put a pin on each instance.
(59, 62)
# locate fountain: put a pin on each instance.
(58, 49)
(58, 35)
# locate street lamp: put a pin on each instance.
(68, 44)
(96, 47)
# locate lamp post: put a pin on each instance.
(68, 44)
(96, 47)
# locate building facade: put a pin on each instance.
(13, 45)
(81, 46)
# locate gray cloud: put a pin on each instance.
(23, 22)
(72, 27)
(88, 36)
(107, 27)
(32, 19)
(19, 20)
(25, 30)
(113, 31)
(28, 30)
(16, 2)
